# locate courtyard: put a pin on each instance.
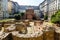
(29, 20)
(12, 29)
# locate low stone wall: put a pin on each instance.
(32, 38)
(57, 36)
(49, 33)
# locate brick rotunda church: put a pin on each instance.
(30, 11)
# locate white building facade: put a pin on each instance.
(50, 7)
(16, 7)
(43, 7)
(3, 7)
(10, 7)
(37, 13)
(13, 7)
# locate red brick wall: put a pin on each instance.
(29, 13)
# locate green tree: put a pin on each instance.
(45, 17)
(56, 17)
(22, 14)
(17, 17)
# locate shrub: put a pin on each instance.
(22, 14)
(56, 17)
(45, 17)
(17, 17)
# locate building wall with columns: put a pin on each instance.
(0, 9)
(50, 7)
(53, 7)
(10, 6)
(43, 7)
(3, 12)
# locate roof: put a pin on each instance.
(24, 7)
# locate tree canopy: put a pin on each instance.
(56, 17)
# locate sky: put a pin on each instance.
(29, 2)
